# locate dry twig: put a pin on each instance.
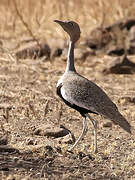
(25, 24)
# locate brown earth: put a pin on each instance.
(30, 109)
(28, 102)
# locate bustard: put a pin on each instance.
(83, 95)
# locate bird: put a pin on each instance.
(84, 95)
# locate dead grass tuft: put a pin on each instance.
(36, 17)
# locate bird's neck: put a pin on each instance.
(70, 59)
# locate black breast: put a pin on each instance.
(81, 110)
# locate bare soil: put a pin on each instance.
(28, 102)
(29, 105)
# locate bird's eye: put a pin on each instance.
(71, 23)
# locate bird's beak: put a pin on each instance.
(60, 22)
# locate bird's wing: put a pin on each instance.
(85, 94)
(69, 97)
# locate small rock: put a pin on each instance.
(51, 131)
(99, 38)
(120, 65)
(107, 124)
(113, 38)
(34, 51)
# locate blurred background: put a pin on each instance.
(39, 15)
(33, 52)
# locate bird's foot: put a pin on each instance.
(95, 150)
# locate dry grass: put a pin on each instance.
(39, 15)
(28, 100)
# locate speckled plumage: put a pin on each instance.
(84, 95)
(78, 90)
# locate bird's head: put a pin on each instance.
(72, 28)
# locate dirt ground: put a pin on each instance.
(29, 106)
(28, 102)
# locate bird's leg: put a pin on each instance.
(84, 131)
(94, 123)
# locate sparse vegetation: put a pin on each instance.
(28, 101)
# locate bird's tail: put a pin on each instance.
(120, 120)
